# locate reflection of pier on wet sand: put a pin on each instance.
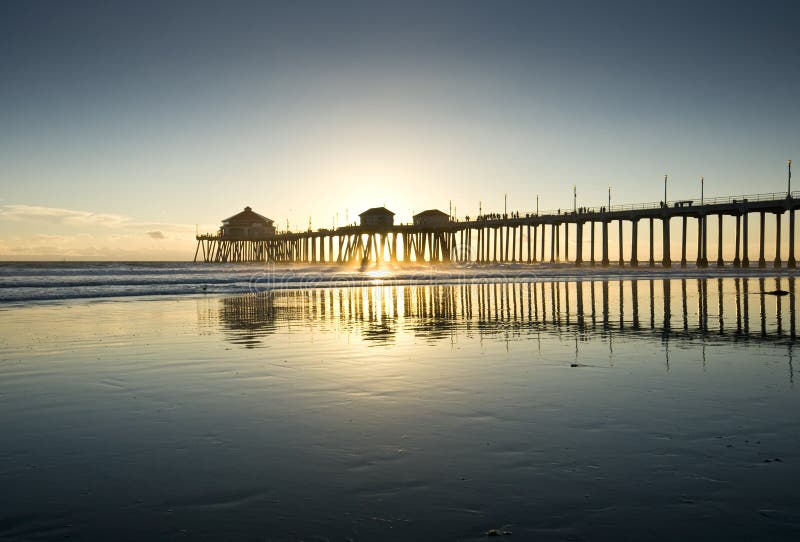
(730, 309)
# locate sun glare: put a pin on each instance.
(378, 274)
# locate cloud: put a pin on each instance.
(90, 235)
(163, 226)
(56, 215)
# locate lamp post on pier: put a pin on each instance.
(701, 191)
(665, 191)
(609, 199)
(789, 187)
(574, 199)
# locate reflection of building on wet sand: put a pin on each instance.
(674, 310)
(247, 318)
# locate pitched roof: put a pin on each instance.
(377, 211)
(247, 216)
(431, 212)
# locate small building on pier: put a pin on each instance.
(247, 225)
(432, 218)
(377, 217)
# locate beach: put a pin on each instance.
(612, 409)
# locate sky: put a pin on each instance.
(125, 127)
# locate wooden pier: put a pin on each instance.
(523, 237)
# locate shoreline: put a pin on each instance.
(295, 278)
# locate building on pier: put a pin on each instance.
(377, 217)
(432, 218)
(247, 225)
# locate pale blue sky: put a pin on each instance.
(167, 117)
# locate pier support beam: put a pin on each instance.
(791, 261)
(604, 228)
(699, 262)
(514, 245)
(737, 262)
(745, 258)
(761, 261)
(652, 261)
(705, 240)
(531, 255)
(558, 242)
(683, 241)
(504, 250)
(777, 262)
(666, 261)
(544, 236)
(621, 246)
(720, 261)
(591, 241)
(635, 242)
(702, 246)
(578, 243)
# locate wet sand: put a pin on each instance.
(649, 410)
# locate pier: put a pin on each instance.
(524, 237)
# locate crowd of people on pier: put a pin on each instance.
(517, 214)
(500, 216)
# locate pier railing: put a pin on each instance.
(647, 206)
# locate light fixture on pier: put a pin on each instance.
(701, 190)
(789, 191)
(574, 199)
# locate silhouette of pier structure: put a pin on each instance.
(520, 237)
